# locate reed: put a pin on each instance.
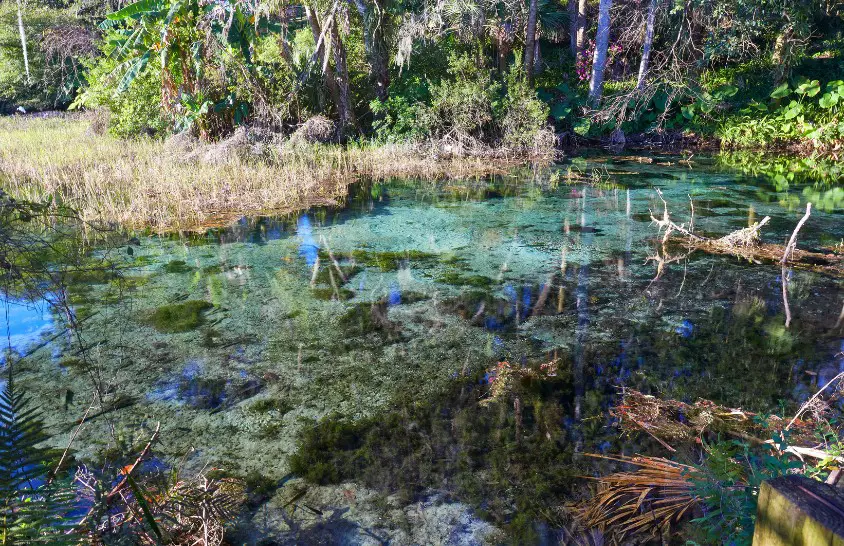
(156, 184)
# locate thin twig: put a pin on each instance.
(128, 472)
(808, 402)
(785, 297)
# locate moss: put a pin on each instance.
(365, 318)
(74, 364)
(328, 293)
(457, 279)
(327, 273)
(180, 317)
(389, 261)
(177, 266)
(266, 405)
(270, 431)
(320, 458)
(131, 283)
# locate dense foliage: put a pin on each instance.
(751, 73)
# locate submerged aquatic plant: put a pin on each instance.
(178, 317)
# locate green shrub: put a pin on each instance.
(525, 118)
(466, 106)
(398, 119)
(134, 112)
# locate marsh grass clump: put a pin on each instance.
(148, 183)
(179, 317)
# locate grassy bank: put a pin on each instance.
(168, 185)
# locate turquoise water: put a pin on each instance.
(391, 313)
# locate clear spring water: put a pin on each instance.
(413, 287)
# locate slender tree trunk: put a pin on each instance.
(646, 47)
(328, 75)
(283, 44)
(599, 61)
(530, 40)
(572, 7)
(23, 41)
(375, 45)
(345, 109)
(581, 26)
(504, 42)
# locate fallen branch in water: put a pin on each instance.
(745, 243)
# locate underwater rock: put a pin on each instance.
(350, 514)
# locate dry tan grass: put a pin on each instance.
(147, 183)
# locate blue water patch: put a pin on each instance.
(24, 323)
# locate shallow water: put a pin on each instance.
(407, 297)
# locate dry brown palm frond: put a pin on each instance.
(646, 501)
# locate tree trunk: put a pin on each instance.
(581, 26)
(530, 40)
(537, 58)
(572, 7)
(646, 47)
(328, 74)
(345, 109)
(504, 42)
(23, 41)
(375, 45)
(599, 60)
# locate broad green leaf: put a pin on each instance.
(810, 88)
(135, 68)
(582, 126)
(132, 10)
(725, 91)
(828, 100)
(791, 113)
(781, 91)
(688, 111)
(560, 110)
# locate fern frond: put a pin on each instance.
(32, 510)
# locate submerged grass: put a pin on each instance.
(156, 184)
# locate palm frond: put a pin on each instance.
(645, 501)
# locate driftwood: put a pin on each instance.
(745, 243)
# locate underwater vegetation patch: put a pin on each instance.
(458, 279)
(329, 293)
(177, 266)
(178, 317)
(389, 260)
(505, 460)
